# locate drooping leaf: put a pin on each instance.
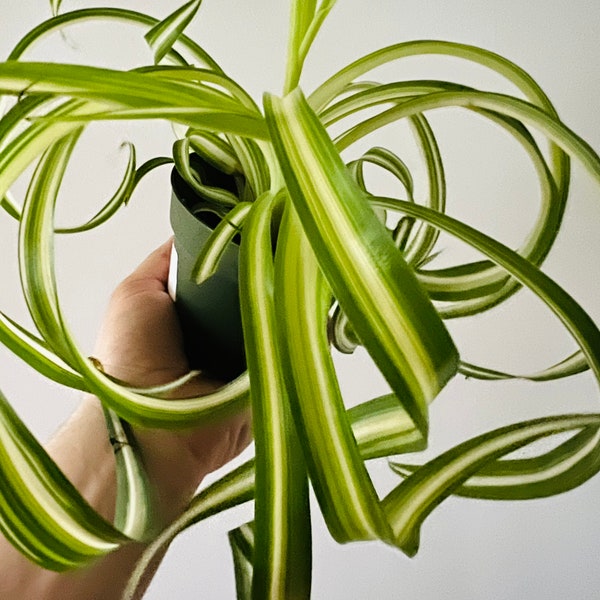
(36, 353)
(389, 311)
(282, 552)
(41, 513)
(346, 495)
(231, 490)
(572, 365)
(135, 90)
(119, 198)
(474, 286)
(577, 322)
(410, 502)
(59, 22)
(561, 469)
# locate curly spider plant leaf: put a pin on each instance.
(467, 283)
(386, 306)
(382, 427)
(409, 504)
(283, 543)
(214, 248)
(345, 492)
(215, 150)
(577, 322)
(216, 196)
(561, 469)
(198, 55)
(22, 149)
(372, 425)
(37, 354)
(36, 233)
(36, 264)
(41, 513)
(8, 204)
(231, 490)
(554, 202)
(164, 34)
(572, 365)
(121, 196)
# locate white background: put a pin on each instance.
(470, 550)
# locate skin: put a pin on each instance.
(140, 342)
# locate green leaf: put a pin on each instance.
(215, 151)
(211, 194)
(423, 241)
(306, 21)
(199, 55)
(241, 541)
(135, 514)
(164, 34)
(574, 318)
(388, 310)
(197, 117)
(410, 503)
(9, 205)
(475, 286)
(572, 365)
(559, 162)
(341, 483)
(119, 198)
(36, 245)
(301, 15)
(231, 490)
(211, 252)
(55, 6)
(37, 256)
(282, 553)
(21, 151)
(36, 353)
(253, 164)
(382, 427)
(387, 160)
(561, 469)
(116, 89)
(41, 513)
(335, 85)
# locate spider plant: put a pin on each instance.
(323, 262)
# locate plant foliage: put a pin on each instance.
(323, 262)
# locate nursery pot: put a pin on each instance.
(209, 313)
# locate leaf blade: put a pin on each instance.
(360, 260)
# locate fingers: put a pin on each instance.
(156, 266)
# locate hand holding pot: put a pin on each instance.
(141, 342)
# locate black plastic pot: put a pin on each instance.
(209, 312)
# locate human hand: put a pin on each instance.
(140, 342)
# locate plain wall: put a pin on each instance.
(470, 550)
